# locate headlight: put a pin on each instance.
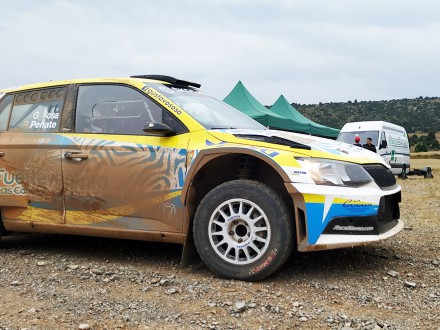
(335, 173)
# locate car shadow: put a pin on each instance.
(311, 266)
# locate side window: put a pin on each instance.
(5, 110)
(115, 109)
(383, 138)
(37, 111)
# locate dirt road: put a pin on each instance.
(62, 282)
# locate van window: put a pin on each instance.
(5, 110)
(348, 137)
(116, 109)
(38, 111)
(383, 137)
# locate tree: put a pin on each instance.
(435, 145)
(420, 147)
(413, 139)
(431, 136)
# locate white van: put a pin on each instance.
(391, 141)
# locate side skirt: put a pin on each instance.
(33, 227)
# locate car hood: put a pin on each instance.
(307, 145)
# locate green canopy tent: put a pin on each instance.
(283, 108)
(241, 99)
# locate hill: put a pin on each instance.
(416, 115)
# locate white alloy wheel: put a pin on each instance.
(239, 231)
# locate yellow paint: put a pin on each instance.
(41, 215)
(98, 216)
(286, 159)
(312, 198)
(84, 217)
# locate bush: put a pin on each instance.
(435, 145)
(430, 136)
(420, 147)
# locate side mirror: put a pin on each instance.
(383, 144)
(158, 129)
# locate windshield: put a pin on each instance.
(208, 111)
(348, 137)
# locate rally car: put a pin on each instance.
(153, 158)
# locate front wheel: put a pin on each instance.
(243, 230)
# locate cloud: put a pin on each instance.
(310, 51)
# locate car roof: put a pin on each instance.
(167, 80)
(123, 80)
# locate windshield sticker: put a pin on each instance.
(162, 100)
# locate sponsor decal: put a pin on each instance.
(162, 100)
(11, 184)
(270, 153)
(352, 228)
(265, 263)
(398, 142)
(169, 210)
(322, 208)
(233, 218)
(17, 190)
(356, 203)
(209, 143)
(297, 174)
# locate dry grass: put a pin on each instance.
(420, 196)
(424, 162)
(425, 155)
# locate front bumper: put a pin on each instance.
(335, 241)
(329, 217)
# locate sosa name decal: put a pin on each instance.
(47, 120)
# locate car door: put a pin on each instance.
(30, 156)
(115, 176)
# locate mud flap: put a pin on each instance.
(189, 253)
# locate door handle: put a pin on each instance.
(75, 155)
(2, 154)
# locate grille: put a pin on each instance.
(383, 176)
(389, 212)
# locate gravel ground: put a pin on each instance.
(69, 282)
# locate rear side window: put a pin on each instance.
(38, 111)
(5, 110)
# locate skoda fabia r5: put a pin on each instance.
(153, 158)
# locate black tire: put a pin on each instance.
(2, 228)
(243, 230)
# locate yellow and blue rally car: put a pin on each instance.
(152, 158)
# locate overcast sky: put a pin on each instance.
(308, 50)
